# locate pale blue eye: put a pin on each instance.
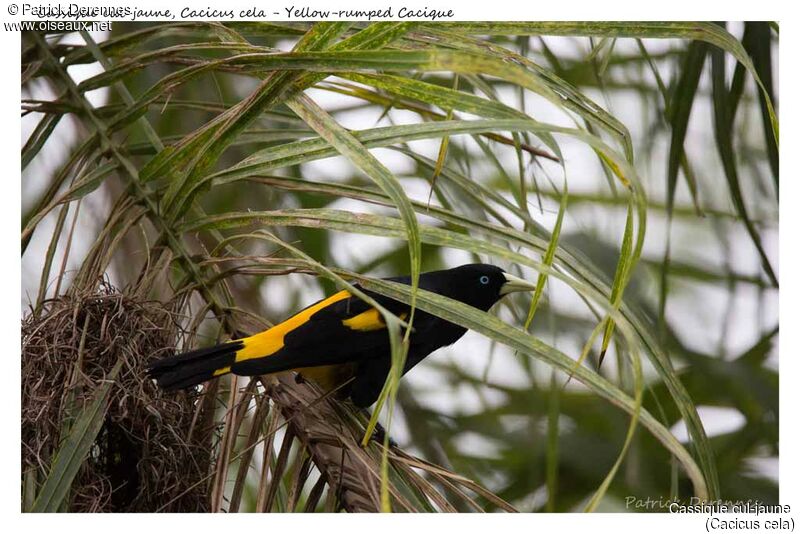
(484, 279)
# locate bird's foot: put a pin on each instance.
(380, 435)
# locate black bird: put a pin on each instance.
(342, 337)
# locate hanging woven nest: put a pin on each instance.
(150, 448)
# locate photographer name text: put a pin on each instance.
(75, 11)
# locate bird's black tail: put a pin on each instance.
(195, 367)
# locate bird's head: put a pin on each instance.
(478, 284)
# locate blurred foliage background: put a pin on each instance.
(234, 173)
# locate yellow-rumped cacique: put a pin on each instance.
(342, 342)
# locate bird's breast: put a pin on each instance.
(433, 331)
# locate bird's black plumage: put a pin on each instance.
(342, 337)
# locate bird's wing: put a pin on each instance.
(339, 329)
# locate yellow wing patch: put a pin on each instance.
(270, 341)
(368, 321)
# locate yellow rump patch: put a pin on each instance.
(223, 371)
(270, 341)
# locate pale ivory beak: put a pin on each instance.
(514, 283)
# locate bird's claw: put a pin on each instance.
(380, 435)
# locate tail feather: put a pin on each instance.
(195, 367)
